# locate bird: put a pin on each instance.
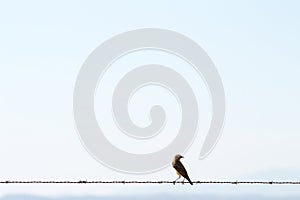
(180, 170)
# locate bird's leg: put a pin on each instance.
(176, 180)
(183, 180)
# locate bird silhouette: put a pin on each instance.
(180, 170)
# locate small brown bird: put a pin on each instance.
(180, 170)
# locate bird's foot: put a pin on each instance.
(183, 181)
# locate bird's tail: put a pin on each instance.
(189, 180)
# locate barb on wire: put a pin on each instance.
(151, 182)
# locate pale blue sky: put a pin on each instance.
(254, 44)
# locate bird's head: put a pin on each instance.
(178, 157)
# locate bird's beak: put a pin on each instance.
(182, 157)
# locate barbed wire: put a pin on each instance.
(151, 182)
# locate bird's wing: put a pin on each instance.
(180, 168)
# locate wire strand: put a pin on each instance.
(152, 182)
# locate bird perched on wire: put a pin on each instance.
(180, 170)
